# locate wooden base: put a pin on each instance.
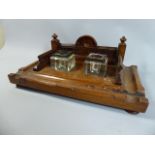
(128, 96)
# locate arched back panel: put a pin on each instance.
(86, 41)
(87, 44)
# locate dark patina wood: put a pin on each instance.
(121, 88)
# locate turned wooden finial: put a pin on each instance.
(54, 36)
(55, 44)
(122, 47)
(123, 40)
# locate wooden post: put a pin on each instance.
(121, 53)
(122, 47)
(55, 44)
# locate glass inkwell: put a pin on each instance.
(63, 60)
(96, 64)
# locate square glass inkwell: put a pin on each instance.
(63, 60)
(96, 64)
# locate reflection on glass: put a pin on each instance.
(63, 60)
(96, 64)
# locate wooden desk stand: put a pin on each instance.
(121, 88)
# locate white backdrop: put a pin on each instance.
(29, 112)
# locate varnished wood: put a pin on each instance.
(127, 94)
(55, 44)
(122, 47)
(86, 41)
